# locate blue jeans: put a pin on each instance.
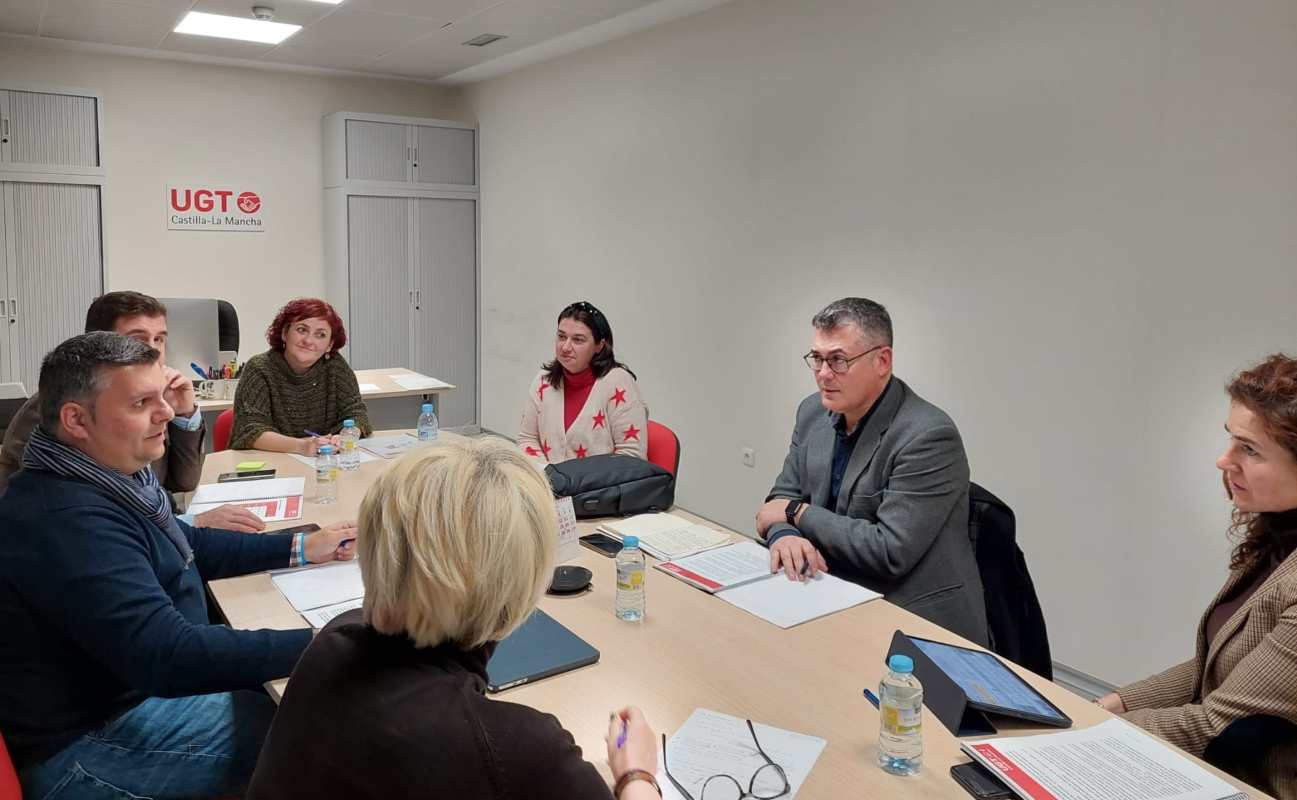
(165, 747)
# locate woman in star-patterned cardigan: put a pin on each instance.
(584, 402)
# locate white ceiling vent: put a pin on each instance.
(484, 39)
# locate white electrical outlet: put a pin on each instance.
(749, 457)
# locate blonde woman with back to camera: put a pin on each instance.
(456, 544)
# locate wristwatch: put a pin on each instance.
(790, 511)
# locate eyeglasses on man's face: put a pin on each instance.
(767, 783)
(837, 362)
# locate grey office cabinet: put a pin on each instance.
(49, 131)
(385, 151)
(52, 267)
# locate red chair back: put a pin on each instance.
(663, 447)
(9, 788)
(221, 433)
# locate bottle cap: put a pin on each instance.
(901, 664)
(427, 408)
(627, 542)
(348, 423)
(326, 449)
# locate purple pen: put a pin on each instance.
(621, 737)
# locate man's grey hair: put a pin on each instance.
(870, 318)
(77, 370)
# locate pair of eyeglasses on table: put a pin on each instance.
(767, 783)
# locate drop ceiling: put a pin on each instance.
(413, 39)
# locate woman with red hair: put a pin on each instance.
(300, 386)
(1245, 659)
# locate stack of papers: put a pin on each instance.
(740, 575)
(413, 380)
(1113, 760)
(712, 743)
(665, 536)
(322, 593)
(273, 499)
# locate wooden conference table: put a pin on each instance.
(693, 651)
(382, 378)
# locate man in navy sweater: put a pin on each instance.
(112, 681)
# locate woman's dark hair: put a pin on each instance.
(1268, 390)
(604, 360)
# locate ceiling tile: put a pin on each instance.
(439, 11)
(365, 31)
(426, 63)
(295, 12)
(213, 46)
(167, 5)
(314, 56)
(21, 16)
(107, 22)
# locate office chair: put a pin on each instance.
(227, 326)
(663, 447)
(1246, 746)
(221, 431)
(9, 788)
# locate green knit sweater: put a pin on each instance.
(271, 397)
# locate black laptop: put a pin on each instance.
(541, 647)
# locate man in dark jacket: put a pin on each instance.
(110, 675)
(142, 317)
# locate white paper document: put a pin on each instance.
(666, 536)
(321, 586)
(365, 457)
(233, 491)
(271, 509)
(369, 388)
(569, 545)
(787, 603)
(712, 743)
(413, 380)
(1113, 760)
(721, 568)
(319, 617)
(390, 446)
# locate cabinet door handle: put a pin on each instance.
(416, 155)
(13, 308)
(4, 129)
(411, 297)
(417, 298)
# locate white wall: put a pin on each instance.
(1080, 215)
(173, 122)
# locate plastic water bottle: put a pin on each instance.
(900, 732)
(349, 458)
(326, 475)
(427, 426)
(630, 580)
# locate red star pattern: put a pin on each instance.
(545, 447)
(619, 396)
(581, 451)
(631, 433)
(531, 451)
(599, 419)
(540, 393)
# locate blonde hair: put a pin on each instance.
(456, 543)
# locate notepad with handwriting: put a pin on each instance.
(665, 536)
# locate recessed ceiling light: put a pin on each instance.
(484, 39)
(248, 30)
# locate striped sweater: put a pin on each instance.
(271, 397)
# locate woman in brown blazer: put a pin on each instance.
(456, 543)
(1246, 657)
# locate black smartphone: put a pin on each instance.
(980, 782)
(309, 527)
(253, 475)
(602, 543)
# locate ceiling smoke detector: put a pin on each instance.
(263, 13)
(484, 39)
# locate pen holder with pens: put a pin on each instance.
(219, 389)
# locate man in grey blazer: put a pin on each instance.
(875, 485)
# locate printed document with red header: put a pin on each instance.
(1113, 760)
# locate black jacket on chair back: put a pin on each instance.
(1012, 611)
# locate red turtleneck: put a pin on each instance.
(576, 388)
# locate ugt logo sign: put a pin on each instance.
(208, 200)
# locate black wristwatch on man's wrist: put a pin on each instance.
(790, 511)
